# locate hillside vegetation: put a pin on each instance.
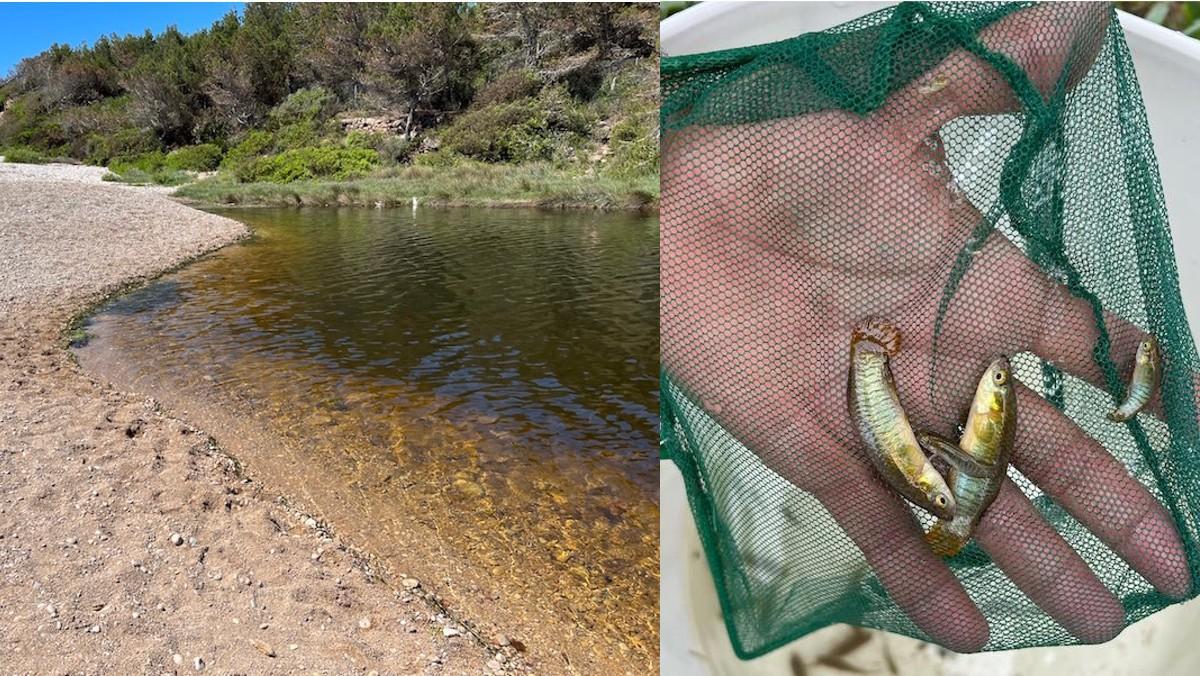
(302, 103)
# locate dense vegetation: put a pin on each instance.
(1180, 16)
(295, 94)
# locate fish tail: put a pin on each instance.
(879, 331)
(943, 541)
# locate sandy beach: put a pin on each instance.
(129, 541)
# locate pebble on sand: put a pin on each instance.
(364, 623)
(176, 539)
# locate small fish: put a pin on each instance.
(934, 85)
(979, 462)
(1147, 374)
(875, 409)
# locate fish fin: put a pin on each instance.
(1118, 416)
(943, 542)
(878, 331)
(953, 455)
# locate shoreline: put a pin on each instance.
(471, 185)
(131, 540)
(648, 210)
(568, 640)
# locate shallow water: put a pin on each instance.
(484, 381)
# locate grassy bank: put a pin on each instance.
(485, 185)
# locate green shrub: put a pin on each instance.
(544, 128)
(252, 145)
(101, 148)
(564, 113)
(304, 164)
(148, 163)
(162, 176)
(509, 86)
(437, 158)
(509, 132)
(295, 136)
(392, 149)
(203, 157)
(310, 107)
(23, 155)
(635, 148)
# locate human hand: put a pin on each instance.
(779, 236)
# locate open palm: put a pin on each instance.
(779, 237)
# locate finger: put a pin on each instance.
(1039, 40)
(1095, 488)
(917, 580)
(1036, 558)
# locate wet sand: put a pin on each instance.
(130, 542)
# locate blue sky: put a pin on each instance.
(28, 28)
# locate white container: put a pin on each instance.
(693, 639)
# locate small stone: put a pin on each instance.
(493, 665)
(468, 488)
(310, 522)
(263, 625)
(293, 646)
(410, 583)
(364, 623)
(72, 541)
(192, 541)
(372, 673)
(51, 610)
(177, 658)
(95, 629)
(176, 539)
(450, 630)
(198, 663)
(263, 647)
(502, 640)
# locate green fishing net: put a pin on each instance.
(981, 176)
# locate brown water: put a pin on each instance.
(468, 394)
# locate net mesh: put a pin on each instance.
(981, 176)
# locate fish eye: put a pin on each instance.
(940, 501)
(1000, 377)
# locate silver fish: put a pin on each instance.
(1147, 375)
